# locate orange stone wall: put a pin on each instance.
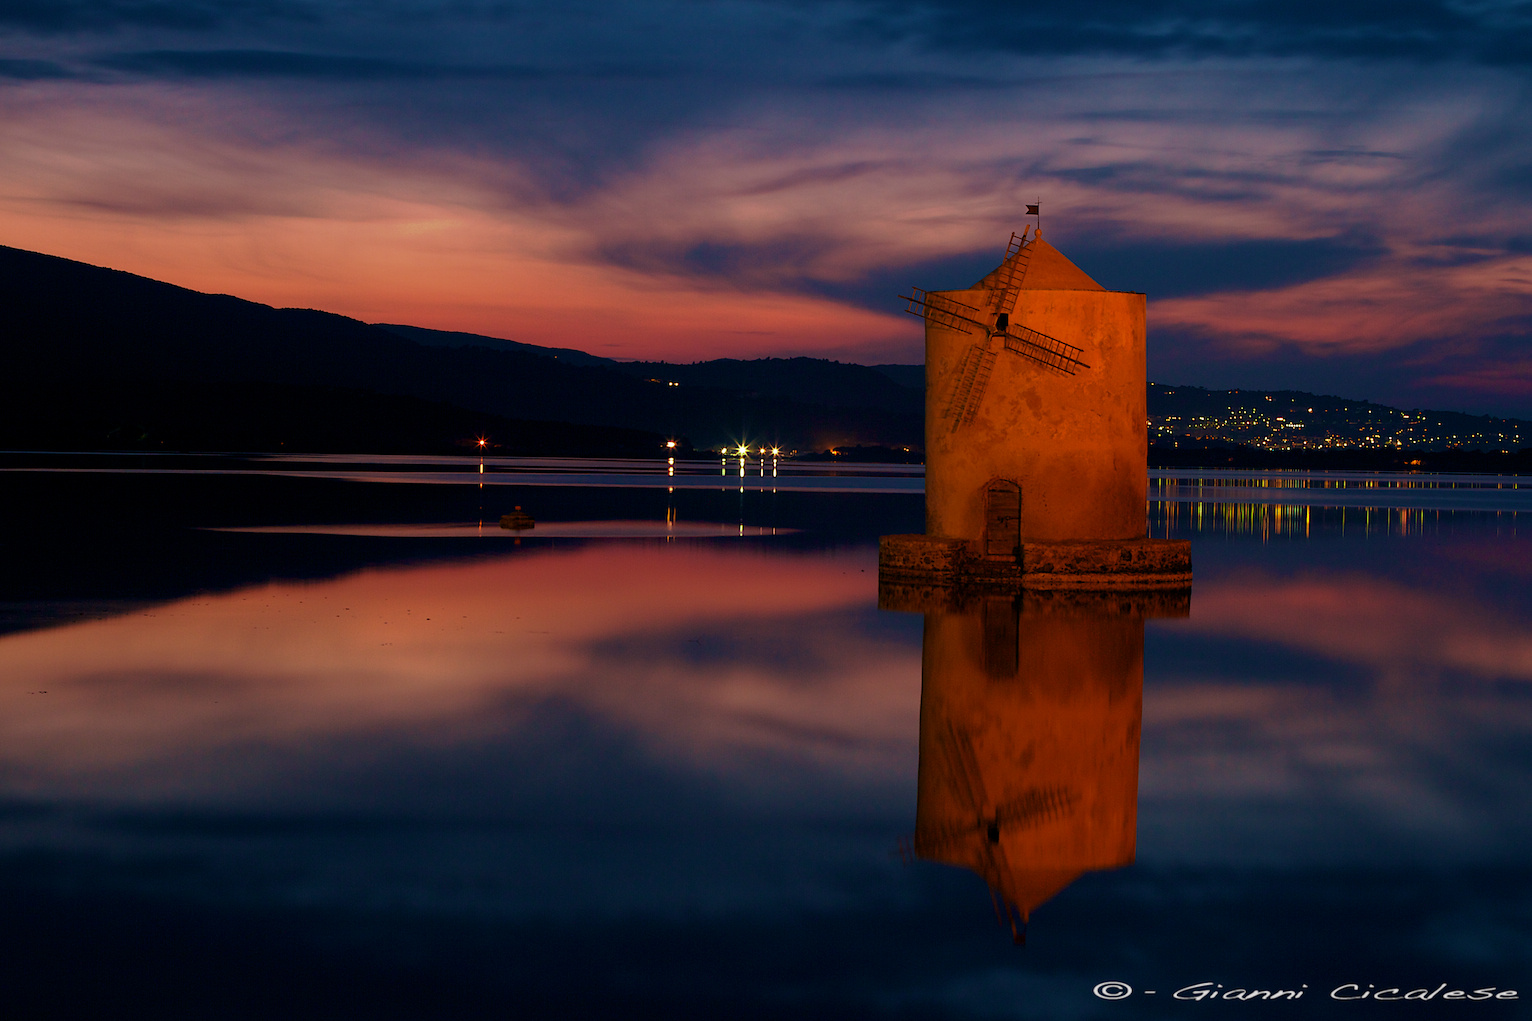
(1077, 445)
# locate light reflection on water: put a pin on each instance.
(669, 529)
(1217, 492)
(1273, 519)
(671, 779)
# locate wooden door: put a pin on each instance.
(1002, 520)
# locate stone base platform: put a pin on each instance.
(1095, 564)
(908, 597)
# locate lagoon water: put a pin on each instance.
(314, 738)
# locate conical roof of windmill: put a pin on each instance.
(1047, 269)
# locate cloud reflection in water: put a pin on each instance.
(605, 726)
(684, 728)
(431, 650)
(1339, 716)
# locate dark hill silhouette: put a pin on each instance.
(98, 358)
(73, 335)
(807, 380)
(912, 376)
(812, 380)
(275, 417)
(457, 338)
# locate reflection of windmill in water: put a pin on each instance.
(996, 332)
(1029, 733)
(972, 836)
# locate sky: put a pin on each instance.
(1334, 197)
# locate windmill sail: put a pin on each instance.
(1032, 807)
(944, 311)
(1012, 272)
(968, 386)
(1044, 350)
(978, 362)
(973, 373)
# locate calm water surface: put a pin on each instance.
(308, 745)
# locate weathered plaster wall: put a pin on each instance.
(1078, 445)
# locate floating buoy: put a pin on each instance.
(517, 520)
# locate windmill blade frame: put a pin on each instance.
(1049, 352)
(968, 385)
(973, 372)
(944, 311)
(1033, 807)
(1012, 273)
(1037, 805)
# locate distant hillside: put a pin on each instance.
(454, 338)
(803, 380)
(1292, 420)
(810, 380)
(92, 357)
(266, 417)
(912, 376)
(71, 332)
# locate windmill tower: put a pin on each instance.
(1035, 397)
(1036, 431)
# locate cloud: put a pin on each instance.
(1484, 375)
(1423, 30)
(32, 70)
(260, 64)
(1306, 187)
(265, 63)
(1372, 309)
(1170, 270)
(61, 16)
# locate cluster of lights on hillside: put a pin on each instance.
(1272, 425)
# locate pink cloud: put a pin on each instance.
(1388, 305)
(250, 192)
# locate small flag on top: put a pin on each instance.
(1032, 210)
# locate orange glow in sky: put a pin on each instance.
(1277, 220)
